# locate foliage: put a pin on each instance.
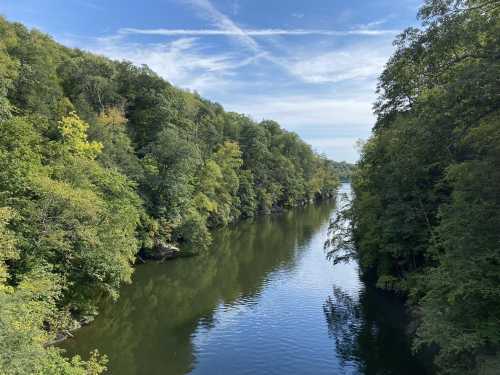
(343, 170)
(426, 207)
(29, 318)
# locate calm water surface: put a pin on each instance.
(264, 300)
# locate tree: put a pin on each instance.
(26, 310)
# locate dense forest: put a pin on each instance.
(425, 215)
(102, 159)
(343, 170)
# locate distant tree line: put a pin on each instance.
(425, 216)
(100, 159)
(343, 170)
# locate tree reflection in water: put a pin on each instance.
(369, 332)
(151, 328)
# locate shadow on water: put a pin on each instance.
(150, 329)
(369, 332)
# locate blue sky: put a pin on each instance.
(311, 65)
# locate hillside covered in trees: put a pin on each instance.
(425, 215)
(102, 159)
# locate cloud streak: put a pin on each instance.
(89, 4)
(224, 24)
(337, 148)
(245, 33)
(183, 61)
(355, 62)
(302, 112)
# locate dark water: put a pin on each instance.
(263, 301)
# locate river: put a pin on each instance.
(263, 300)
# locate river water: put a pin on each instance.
(263, 300)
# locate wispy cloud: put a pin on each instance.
(88, 4)
(355, 62)
(236, 7)
(245, 33)
(184, 61)
(302, 112)
(317, 70)
(372, 24)
(337, 148)
(224, 23)
(226, 26)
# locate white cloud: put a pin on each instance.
(330, 67)
(359, 62)
(227, 27)
(298, 112)
(224, 23)
(182, 62)
(372, 24)
(236, 7)
(245, 33)
(89, 4)
(332, 142)
(337, 148)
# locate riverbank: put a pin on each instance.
(168, 251)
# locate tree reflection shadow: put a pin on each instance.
(369, 332)
(342, 314)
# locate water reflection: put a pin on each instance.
(255, 304)
(369, 332)
(150, 330)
